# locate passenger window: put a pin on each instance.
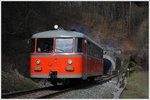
(78, 45)
(101, 54)
(89, 46)
(44, 45)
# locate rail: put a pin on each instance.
(17, 93)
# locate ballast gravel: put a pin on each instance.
(96, 91)
(44, 83)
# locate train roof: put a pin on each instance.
(62, 33)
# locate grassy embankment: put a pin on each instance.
(14, 81)
(137, 86)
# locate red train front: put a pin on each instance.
(62, 55)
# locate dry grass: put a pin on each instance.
(137, 86)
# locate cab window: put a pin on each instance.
(44, 45)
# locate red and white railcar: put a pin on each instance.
(61, 54)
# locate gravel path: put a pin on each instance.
(97, 91)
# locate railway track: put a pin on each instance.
(38, 93)
(50, 92)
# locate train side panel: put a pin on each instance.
(94, 67)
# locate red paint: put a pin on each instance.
(54, 45)
(35, 45)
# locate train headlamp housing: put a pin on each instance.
(38, 62)
(69, 62)
(85, 41)
(55, 27)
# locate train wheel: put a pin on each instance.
(66, 81)
(91, 79)
(54, 83)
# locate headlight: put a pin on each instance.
(38, 62)
(69, 62)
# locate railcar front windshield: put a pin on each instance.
(64, 45)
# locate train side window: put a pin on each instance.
(78, 45)
(44, 45)
(89, 48)
(101, 54)
(93, 50)
(32, 45)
